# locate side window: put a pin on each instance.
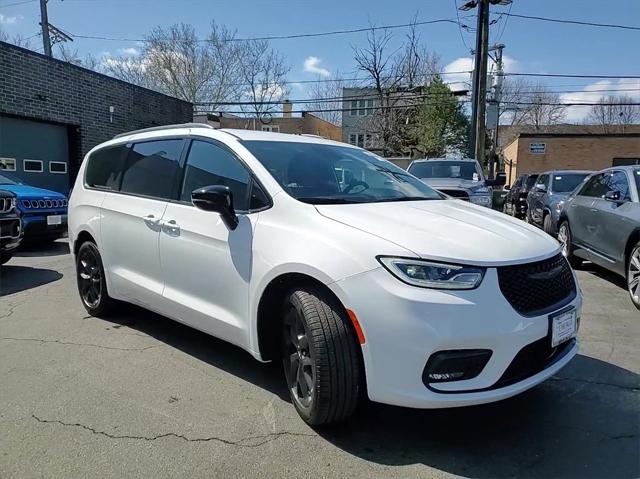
(104, 167)
(209, 164)
(542, 180)
(618, 182)
(595, 187)
(152, 168)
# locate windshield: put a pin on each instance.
(8, 179)
(327, 174)
(465, 170)
(567, 182)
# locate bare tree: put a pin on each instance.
(68, 55)
(327, 95)
(17, 40)
(263, 72)
(395, 78)
(525, 103)
(611, 112)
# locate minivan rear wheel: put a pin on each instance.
(92, 285)
(633, 275)
(564, 237)
(320, 357)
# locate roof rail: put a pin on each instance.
(165, 127)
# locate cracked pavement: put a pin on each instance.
(142, 396)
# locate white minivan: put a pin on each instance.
(356, 275)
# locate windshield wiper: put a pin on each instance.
(326, 200)
(406, 198)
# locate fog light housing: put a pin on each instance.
(455, 365)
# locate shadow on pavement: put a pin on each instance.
(582, 423)
(14, 279)
(50, 248)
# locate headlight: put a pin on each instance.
(479, 199)
(482, 189)
(428, 274)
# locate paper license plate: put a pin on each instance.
(54, 220)
(563, 327)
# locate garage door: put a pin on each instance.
(36, 152)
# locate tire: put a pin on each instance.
(90, 278)
(564, 237)
(4, 257)
(633, 275)
(547, 224)
(320, 357)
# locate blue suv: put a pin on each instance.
(43, 212)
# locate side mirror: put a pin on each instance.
(219, 199)
(614, 196)
(541, 188)
(507, 187)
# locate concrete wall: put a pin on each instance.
(585, 152)
(35, 87)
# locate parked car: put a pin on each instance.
(43, 212)
(381, 284)
(10, 226)
(547, 197)
(600, 222)
(515, 203)
(461, 179)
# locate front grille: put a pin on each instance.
(459, 194)
(532, 359)
(6, 204)
(538, 288)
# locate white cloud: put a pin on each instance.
(463, 81)
(312, 65)
(593, 92)
(7, 20)
(131, 51)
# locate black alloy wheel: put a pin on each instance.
(91, 281)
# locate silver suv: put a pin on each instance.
(600, 222)
(462, 179)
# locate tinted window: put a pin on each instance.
(531, 180)
(636, 175)
(321, 173)
(152, 168)
(617, 181)
(105, 167)
(445, 169)
(209, 164)
(595, 187)
(567, 182)
(543, 180)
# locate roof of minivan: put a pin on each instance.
(255, 135)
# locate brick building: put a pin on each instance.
(306, 124)
(53, 112)
(538, 152)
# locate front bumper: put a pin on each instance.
(35, 225)
(404, 325)
(10, 233)
(481, 200)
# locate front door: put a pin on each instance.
(536, 197)
(131, 221)
(207, 265)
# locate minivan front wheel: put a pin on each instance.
(91, 281)
(633, 275)
(320, 357)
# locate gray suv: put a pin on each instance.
(462, 179)
(600, 222)
(546, 198)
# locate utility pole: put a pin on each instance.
(479, 97)
(44, 23)
(493, 111)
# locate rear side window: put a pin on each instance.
(105, 167)
(209, 165)
(595, 187)
(151, 168)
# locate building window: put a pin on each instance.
(8, 164)
(537, 148)
(271, 128)
(353, 111)
(363, 140)
(32, 166)
(57, 167)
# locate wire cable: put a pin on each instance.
(574, 22)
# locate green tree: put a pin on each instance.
(443, 124)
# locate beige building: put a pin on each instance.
(306, 124)
(538, 152)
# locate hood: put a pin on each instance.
(448, 230)
(461, 183)
(32, 191)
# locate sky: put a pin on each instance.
(530, 45)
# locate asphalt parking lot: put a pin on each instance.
(141, 396)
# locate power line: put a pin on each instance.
(504, 25)
(566, 75)
(293, 36)
(573, 22)
(464, 42)
(17, 3)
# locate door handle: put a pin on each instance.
(171, 227)
(151, 220)
(594, 210)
